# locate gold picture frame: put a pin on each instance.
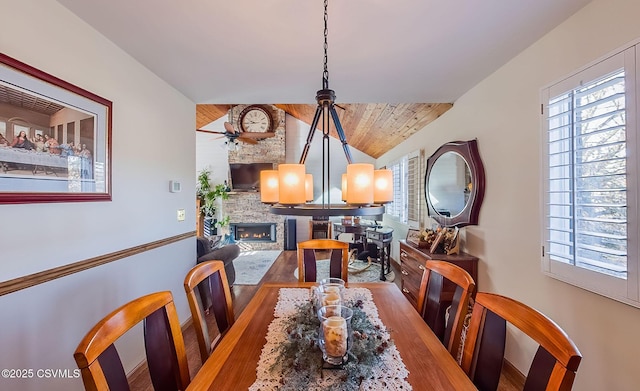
(413, 237)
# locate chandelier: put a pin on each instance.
(289, 189)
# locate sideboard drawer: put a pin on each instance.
(412, 264)
(412, 270)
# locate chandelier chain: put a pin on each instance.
(289, 199)
(325, 74)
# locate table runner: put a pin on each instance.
(390, 375)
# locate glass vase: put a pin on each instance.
(335, 332)
(329, 292)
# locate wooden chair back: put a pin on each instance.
(556, 360)
(338, 259)
(98, 359)
(220, 299)
(434, 301)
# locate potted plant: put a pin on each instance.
(208, 196)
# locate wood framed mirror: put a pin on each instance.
(454, 184)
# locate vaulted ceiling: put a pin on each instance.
(395, 65)
(372, 128)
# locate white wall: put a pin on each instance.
(503, 112)
(153, 143)
(212, 153)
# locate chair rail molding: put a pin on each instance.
(30, 280)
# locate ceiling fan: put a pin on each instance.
(231, 134)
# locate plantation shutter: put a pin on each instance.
(398, 208)
(586, 198)
(413, 189)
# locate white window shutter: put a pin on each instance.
(414, 189)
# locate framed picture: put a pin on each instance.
(437, 240)
(413, 237)
(55, 138)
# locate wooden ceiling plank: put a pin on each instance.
(370, 133)
(350, 119)
(207, 113)
(373, 128)
(366, 128)
(434, 112)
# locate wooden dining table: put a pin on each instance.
(232, 365)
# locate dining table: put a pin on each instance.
(232, 365)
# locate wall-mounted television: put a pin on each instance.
(246, 176)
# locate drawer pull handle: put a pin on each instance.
(404, 272)
(403, 255)
(405, 290)
(421, 267)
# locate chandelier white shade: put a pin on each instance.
(360, 184)
(269, 186)
(382, 186)
(291, 184)
(344, 187)
(308, 187)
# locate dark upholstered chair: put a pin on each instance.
(554, 365)
(221, 308)
(226, 254)
(98, 359)
(339, 258)
(432, 301)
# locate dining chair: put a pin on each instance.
(212, 276)
(434, 298)
(98, 359)
(555, 363)
(307, 256)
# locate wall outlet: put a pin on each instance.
(180, 214)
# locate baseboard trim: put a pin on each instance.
(512, 373)
(30, 280)
(142, 366)
(186, 325)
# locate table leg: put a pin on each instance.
(382, 276)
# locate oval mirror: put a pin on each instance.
(454, 184)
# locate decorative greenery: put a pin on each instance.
(223, 222)
(300, 356)
(208, 196)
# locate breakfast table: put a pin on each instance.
(236, 362)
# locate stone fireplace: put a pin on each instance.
(245, 208)
(253, 232)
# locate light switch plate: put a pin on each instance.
(180, 214)
(175, 186)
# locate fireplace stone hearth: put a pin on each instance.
(253, 232)
(246, 208)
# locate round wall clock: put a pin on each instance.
(255, 119)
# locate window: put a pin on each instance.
(398, 207)
(590, 179)
(413, 189)
(406, 190)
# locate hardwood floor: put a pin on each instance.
(282, 270)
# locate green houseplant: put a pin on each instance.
(208, 196)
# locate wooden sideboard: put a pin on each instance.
(412, 263)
